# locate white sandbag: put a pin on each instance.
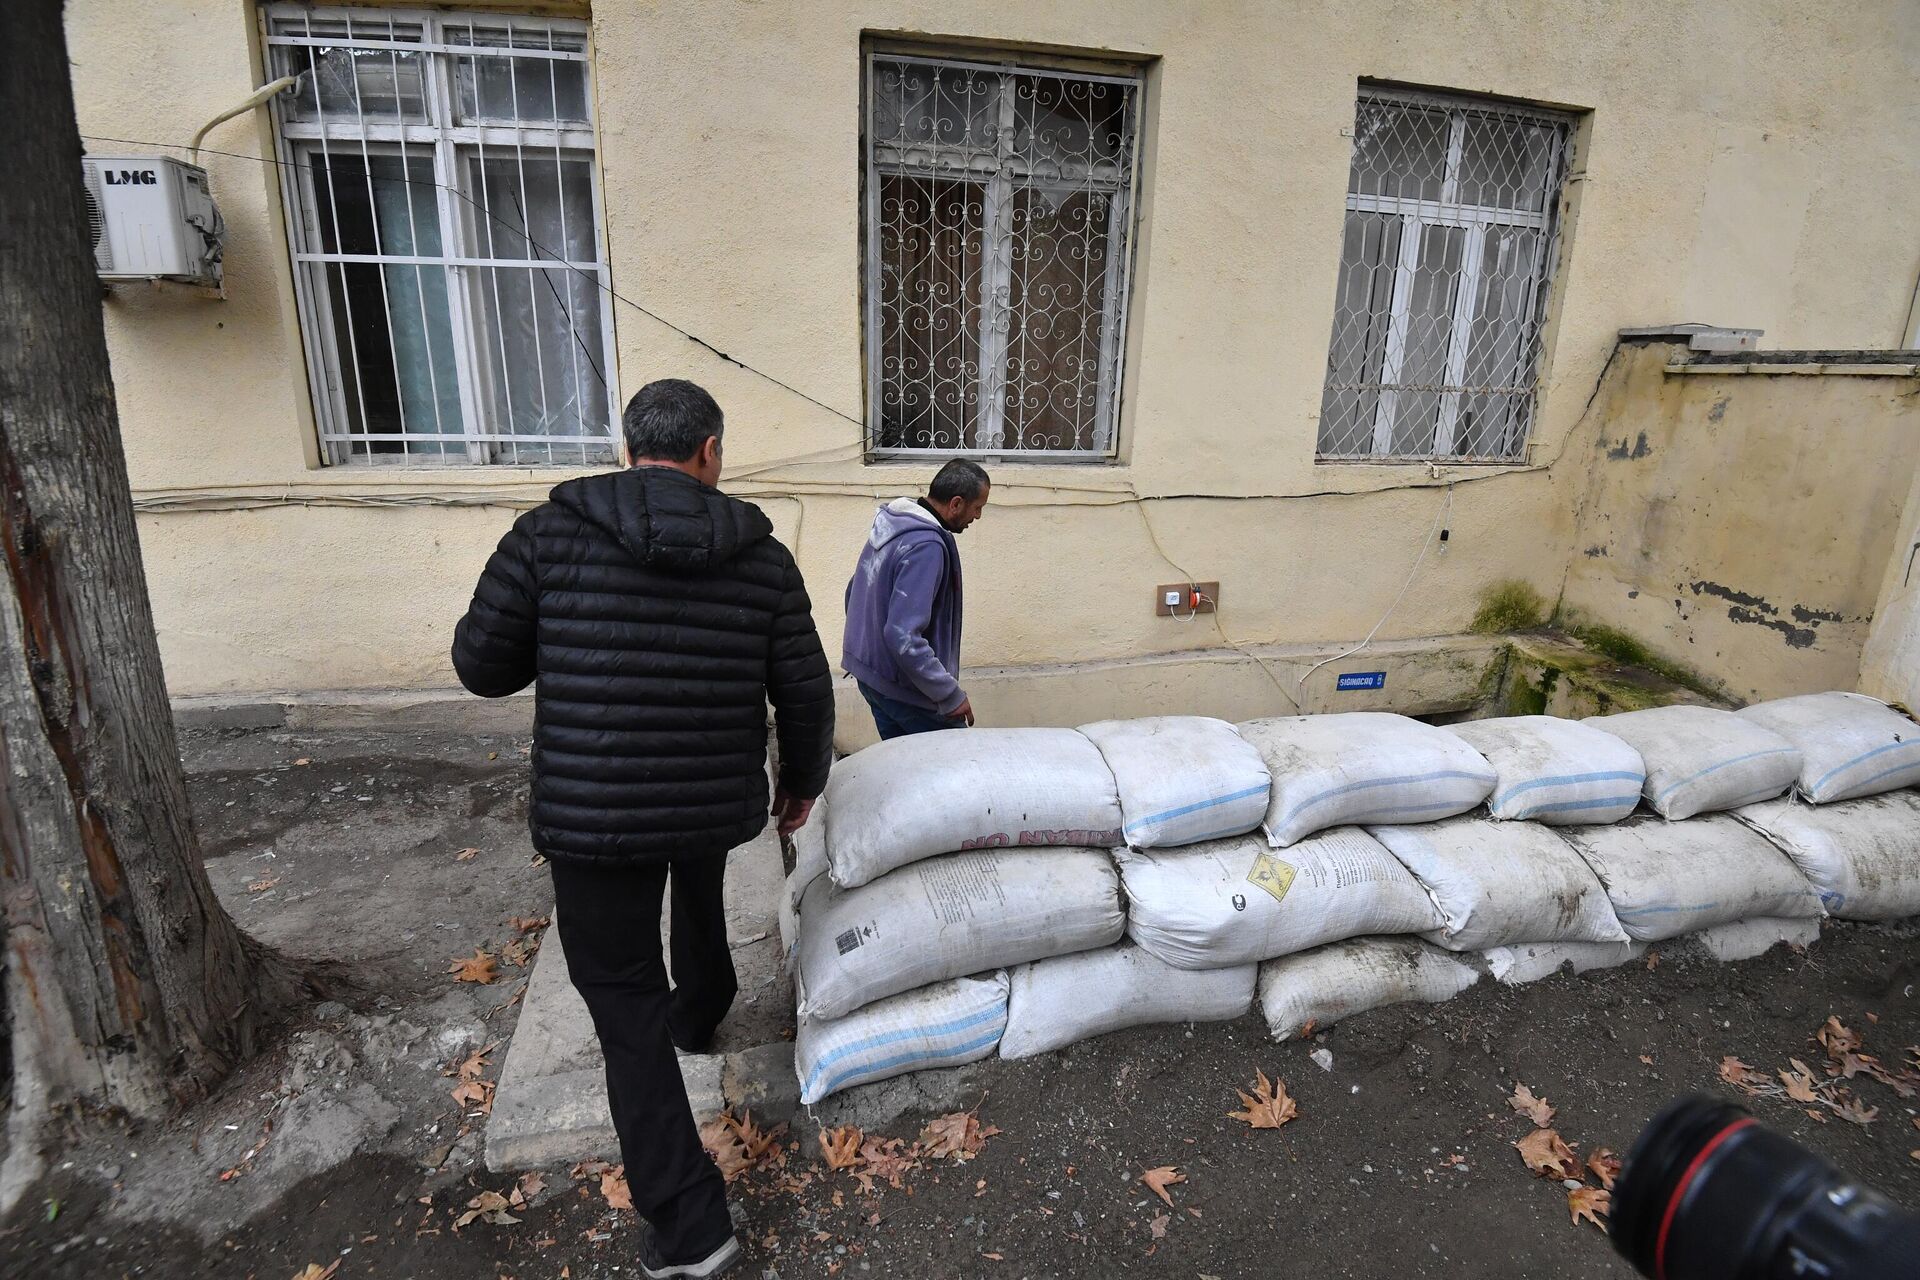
(1329, 983)
(809, 852)
(1531, 961)
(1181, 779)
(788, 918)
(1701, 759)
(945, 917)
(1502, 882)
(1745, 939)
(932, 793)
(1363, 766)
(942, 1025)
(1850, 745)
(1555, 771)
(1232, 902)
(1862, 856)
(1065, 999)
(1669, 878)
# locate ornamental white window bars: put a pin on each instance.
(1445, 265)
(999, 212)
(443, 208)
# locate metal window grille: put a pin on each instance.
(1448, 253)
(999, 212)
(444, 211)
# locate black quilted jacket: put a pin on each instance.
(658, 617)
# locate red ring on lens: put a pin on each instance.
(1680, 1191)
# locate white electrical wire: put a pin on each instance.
(1439, 519)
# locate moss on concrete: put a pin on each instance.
(1619, 647)
(1509, 605)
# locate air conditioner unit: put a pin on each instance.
(152, 218)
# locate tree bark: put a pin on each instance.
(129, 988)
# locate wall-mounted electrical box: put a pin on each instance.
(152, 218)
(1185, 599)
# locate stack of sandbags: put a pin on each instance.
(1363, 766)
(1666, 879)
(1321, 986)
(948, 857)
(1703, 760)
(1558, 772)
(1181, 780)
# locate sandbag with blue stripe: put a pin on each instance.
(1702, 759)
(1181, 779)
(1363, 766)
(1558, 772)
(1850, 745)
(942, 1025)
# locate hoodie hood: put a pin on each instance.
(903, 516)
(666, 519)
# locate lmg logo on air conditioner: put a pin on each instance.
(132, 178)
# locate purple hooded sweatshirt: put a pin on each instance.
(903, 610)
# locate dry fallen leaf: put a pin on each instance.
(475, 1063)
(1590, 1203)
(1158, 1180)
(300, 761)
(1647, 1058)
(1547, 1155)
(759, 1144)
(1740, 1075)
(1535, 1109)
(466, 855)
(1799, 1083)
(488, 1206)
(1605, 1166)
(313, 1270)
(888, 1158)
(1269, 1107)
(840, 1147)
(475, 1095)
(1307, 1028)
(724, 1145)
(478, 967)
(1851, 1108)
(263, 884)
(519, 953)
(959, 1135)
(1653, 961)
(1836, 1038)
(527, 924)
(525, 1190)
(613, 1188)
(1158, 1225)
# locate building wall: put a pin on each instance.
(1722, 175)
(1890, 666)
(1738, 520)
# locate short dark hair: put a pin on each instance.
(959, 479)
(669, 419)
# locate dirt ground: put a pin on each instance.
(343, 1143)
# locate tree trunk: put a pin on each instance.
(129, 989)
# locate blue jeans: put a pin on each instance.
(895, 719)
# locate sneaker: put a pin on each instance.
(657, 1268)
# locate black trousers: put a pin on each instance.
(609, 925)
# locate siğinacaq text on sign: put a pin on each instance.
(1360, 680)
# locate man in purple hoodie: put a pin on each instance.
(903, 606)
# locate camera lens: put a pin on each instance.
(1708, 1193)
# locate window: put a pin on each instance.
(999, 212)
(442, 201)
(1452, 207)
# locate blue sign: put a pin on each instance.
(1361, 680)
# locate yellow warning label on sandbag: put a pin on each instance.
(1273, 875)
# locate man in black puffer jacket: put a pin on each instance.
(656, 618)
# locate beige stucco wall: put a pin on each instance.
(1740, 522)
(1890, 665)
(1723, 176)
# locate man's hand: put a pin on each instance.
(791, 813)
(963, 712)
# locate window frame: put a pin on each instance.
(996, 270)
(1413, 217)
(452, 147)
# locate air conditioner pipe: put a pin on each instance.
(254, 99)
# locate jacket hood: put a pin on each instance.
(665, 518)
(904, 516)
